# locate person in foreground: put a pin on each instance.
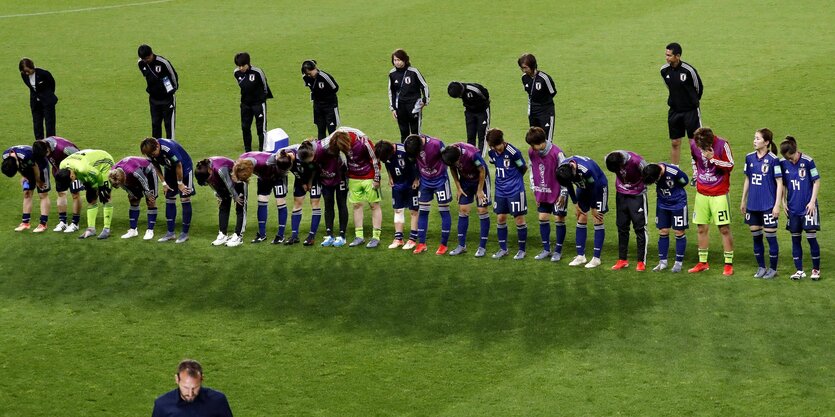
(191, 398)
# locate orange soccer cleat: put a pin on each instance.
(701, 266)
(620, 264)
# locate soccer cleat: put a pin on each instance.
(519, 255)
(168, 236)
(769, 274)
(500, 254)
(577, 261)
(542, 255)
(328, 241)
(593, 263)
(410, 244)
(277, 240)
(310, 241)
(373, 243)
(105, 233)
(40, 228)
(662, 265)
(339, 242)
(458, 250)
(21, 227)
(420, 248)
(149, 234)
(441, 250)
(60, 227)
(356, 242)
(292, 240)
(677, 267)
(480, 252)
(89, 232)
(760, 272)
(71, 228)
(728, 270)
(396, 243)
(641, 267)
(701, 266)
(620, 264)
(816, 274)
(220, 240)
(234, 241)
(261, 238)
(182, 238)
(130, 233)
(797, 276)
(556, 256)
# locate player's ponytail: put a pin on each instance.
(788, 146)
(768, 136)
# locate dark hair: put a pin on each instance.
(282, 161)
(768, 136)
(62, 178)
(308, 65)
(39, 149)
(535, 136)
(384, 150)
(614, 161)
(455, 89)
(144, 51)
(675, 48)
(25, 63)
(203, 171)
(651, 174)
(191, 367)
(788, 146)
(527, 60)
(413, 145)
(401, 55)
(450, 155)
(9, 166)
(148, 145)
(242, 58)
(494, 137)
(565, 173)
(704, 137)
(305, 151)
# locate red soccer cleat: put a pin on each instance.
(420, 248)
(441, 250)
(701, 266)
(641, 267)
(729, 270)
(620, 264)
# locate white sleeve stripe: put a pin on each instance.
(263, 77)
(728, 153)
(475, 90)
(422, 81)
(693, 75)
(548, 81)
(391, 98)
(328, 79)
(170, 70)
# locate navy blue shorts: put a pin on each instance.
(170, 176)
(760, 218)
(471, 189)
(799, 223)
(554, 209)
(597, 198)
(675, 219)
(515, 206)
(443, 193)
(404, 198)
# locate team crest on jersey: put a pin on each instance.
(158, 68)
(423, 155)
(402, 163)
(251, 77)
(683, 77)
(670, 183)
(764, 168)
(321, 84)
(507, 163)
(538, 86)
(801, 172)
(407, 80)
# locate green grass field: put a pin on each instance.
(96, 328)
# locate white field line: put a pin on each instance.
(86, 9)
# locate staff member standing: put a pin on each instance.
(685, 87)
(408, 94)
(476, 100)
(254, 94)
(323, 88)
(162, 85)
(42, 98)
(541, 91)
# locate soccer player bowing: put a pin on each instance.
(91, 167)
(270, 181)
(510, 197)
(55, 150)
(473, 185)
(802, 181)
(34, 176)
(364, 173)
(551, 199)
(761, 196)
(216, 172)
(670, 210)
(631, 204)
(402, 172)
(714, 162)
(298, 160)
(139, 179)
(174, 169)
(592, 194)
(433, 181)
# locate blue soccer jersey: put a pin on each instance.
(799, 179)
(24, 156)
(171, 153)
(763, 174)
(402, 170)
(589, 175)
(670, 188)
(510, 166)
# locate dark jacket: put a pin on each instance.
(44, 90)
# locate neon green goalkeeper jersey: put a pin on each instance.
(91, 166)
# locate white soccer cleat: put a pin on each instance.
(149, 234)
(797, 276)
(662, 265)
(131, 233)
(220, 240)
(816, 274)
(234, 241)
(167, 237)
(577, 261)
(89, 232)
(182, 238)
(593, 263)
(60, 227)
(71, 228)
